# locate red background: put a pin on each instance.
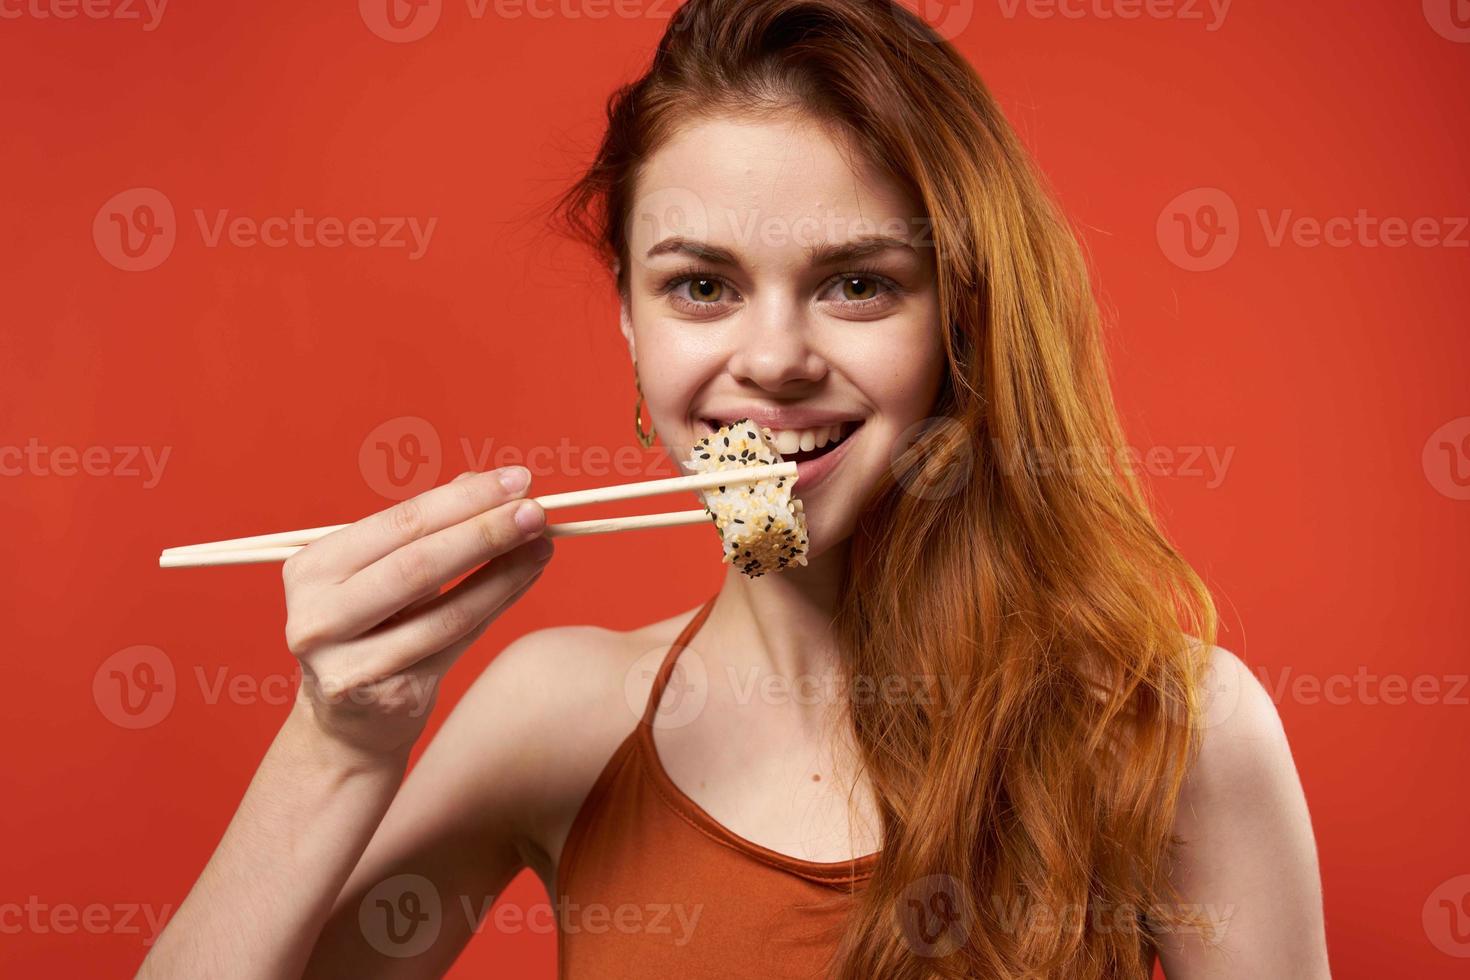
(1336, 546)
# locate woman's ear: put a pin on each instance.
(625, 324)
(625, 316)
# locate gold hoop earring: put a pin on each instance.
(645, 439)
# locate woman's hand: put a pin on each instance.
(366, 616)
(374, 634)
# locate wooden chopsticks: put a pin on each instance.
(282, 545)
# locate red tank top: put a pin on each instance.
(653, 886)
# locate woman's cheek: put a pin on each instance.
(674, 364)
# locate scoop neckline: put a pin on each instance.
(852, 869)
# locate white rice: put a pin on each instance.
(761, 524)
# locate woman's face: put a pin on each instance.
(769, 278)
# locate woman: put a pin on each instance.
(982, 733)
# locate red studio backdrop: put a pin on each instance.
(275, 265)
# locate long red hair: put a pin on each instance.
(1011, 551)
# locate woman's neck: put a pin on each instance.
(781, 623)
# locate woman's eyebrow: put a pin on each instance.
(700, 250)
(830, 253)
(836, 253)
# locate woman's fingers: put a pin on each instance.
(452, 621)
(343, 553)
(415, 688)
(422, 566)
(438, 664)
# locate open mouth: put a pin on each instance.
(804, 445)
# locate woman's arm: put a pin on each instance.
(1249, 860)
(257, 906)
(375, 634)
(495, 791)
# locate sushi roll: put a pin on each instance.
(761, 524)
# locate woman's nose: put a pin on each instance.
(773, 349)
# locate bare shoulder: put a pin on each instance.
(538, 725)
(1247, 859)
(579, 668)
(499, 784)
(1243, 748)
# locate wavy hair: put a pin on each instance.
(1010, 551)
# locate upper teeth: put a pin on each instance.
(789, 441)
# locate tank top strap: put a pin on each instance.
(666, 669)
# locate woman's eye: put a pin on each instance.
(699, 295)
(706, 290)
(853, 294)
(859, 288)
(865, 292)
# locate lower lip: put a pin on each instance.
(811, 473)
